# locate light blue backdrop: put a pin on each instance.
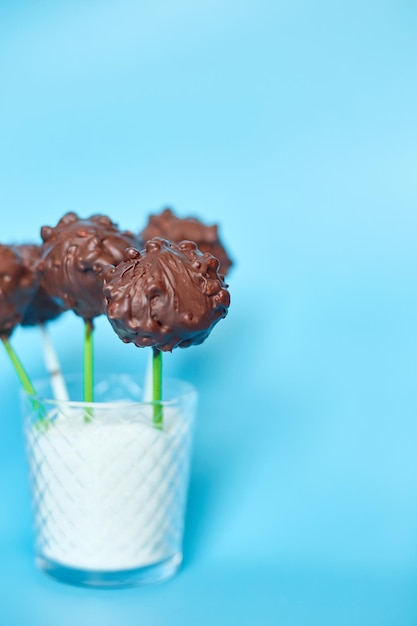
(293, 125)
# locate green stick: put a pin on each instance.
(158, 415)
(20, 370)
(88, 361)
(24, 378)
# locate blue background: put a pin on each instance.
(293, 125)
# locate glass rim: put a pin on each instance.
(189, 391)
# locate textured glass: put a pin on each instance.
(109, 488)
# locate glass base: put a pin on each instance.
(111, 579)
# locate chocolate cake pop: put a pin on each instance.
(42, 308)
(76, 251)
(18, 285)
(166, 296)
(168, 226)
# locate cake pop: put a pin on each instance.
(42, 308)
(18, 285)
(168, 226)
(166, 296)
(76, 251)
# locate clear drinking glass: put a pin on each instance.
(109, 486)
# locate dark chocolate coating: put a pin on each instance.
(18, 285)
(168, 226)
(167, 296)
(76, 251)
(42, 308)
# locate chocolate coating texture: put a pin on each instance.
(167, 296)
(168, 226)
(18, 285)
(42, 308)
(76, 251)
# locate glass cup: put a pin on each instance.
(109, 481)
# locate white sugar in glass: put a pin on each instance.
(109, 487)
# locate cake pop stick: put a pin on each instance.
(158, 416)
(18, 366)
(88, 361)
(52, 365)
